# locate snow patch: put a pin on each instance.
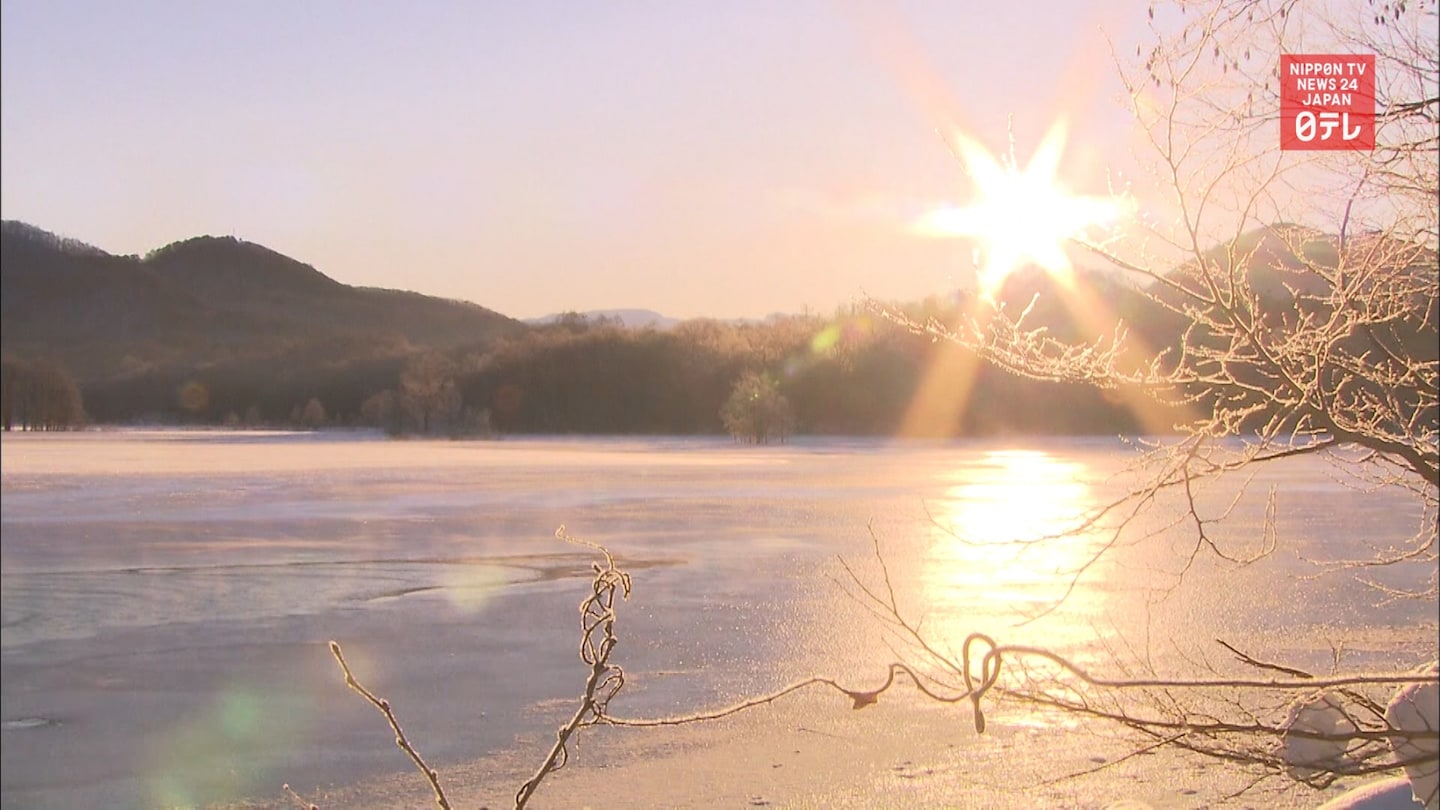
(1416, 708)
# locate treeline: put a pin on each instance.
(852, 374)
(38, 395)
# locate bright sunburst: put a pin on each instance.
(1020, 216)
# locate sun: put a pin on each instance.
(1020, 217)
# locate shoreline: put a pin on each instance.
(814, 751)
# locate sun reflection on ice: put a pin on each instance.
(992, 539)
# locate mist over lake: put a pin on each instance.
(167, 595)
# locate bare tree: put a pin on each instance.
(756, 411)
(1300, 339)
(38, 395)
(381, 410)
(428, 393)
(1297, 298)
(313, 414)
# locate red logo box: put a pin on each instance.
(1327, 102)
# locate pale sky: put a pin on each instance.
(698, 158)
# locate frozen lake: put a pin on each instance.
(167, 596)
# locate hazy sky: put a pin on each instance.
(716, 158)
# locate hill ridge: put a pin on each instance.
(203, 300)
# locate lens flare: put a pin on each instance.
(194, 761)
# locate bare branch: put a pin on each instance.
(401, 740)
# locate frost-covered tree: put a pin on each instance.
(39, 395)
(313, 414)
(1299, 301)
(756, 411)
(428, 393)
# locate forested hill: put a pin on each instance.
(207, 301)
(220, 331)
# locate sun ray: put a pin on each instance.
(938, 405)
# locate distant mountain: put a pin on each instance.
(207, 301)
(1277, 261)
(1291, 267)
(630, 318)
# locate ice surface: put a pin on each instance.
(167, 595)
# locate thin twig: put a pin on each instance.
(401, 740)
(1299, 673)
(597, 641)
(298, 799)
